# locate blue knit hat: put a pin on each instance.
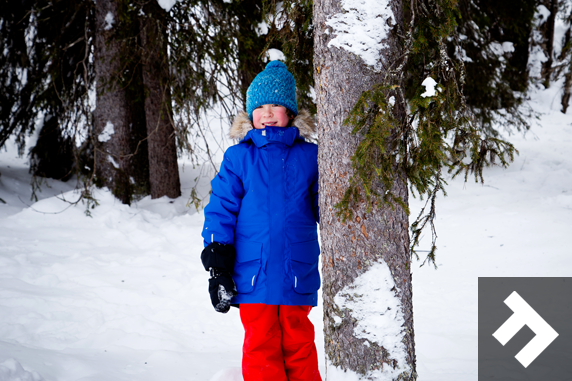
(273, 85)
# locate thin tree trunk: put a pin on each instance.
(375, 243)
(111, 116)
(568, 75)
(567, 89)
(163, 168)
(549, 38)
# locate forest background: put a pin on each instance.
(62, 58)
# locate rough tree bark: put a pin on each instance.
(370, 240)
(111, 116)
(163, 168)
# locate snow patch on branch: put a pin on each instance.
(112, 161)
(362, 28)
(109, 20)
(373, 302)
(108, 130)
(274, 54)
(166, 4)
(429, 84)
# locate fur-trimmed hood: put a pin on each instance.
(303, 121)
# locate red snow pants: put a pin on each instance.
(278, 344)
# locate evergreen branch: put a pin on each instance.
(437, 132)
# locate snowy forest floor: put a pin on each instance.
(123, 296)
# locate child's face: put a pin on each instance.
(270, 115)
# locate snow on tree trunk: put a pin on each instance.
(111, 116)
(163, 168)
(368, 314)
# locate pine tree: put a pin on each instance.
(18, 73)
(46, 74)
(391, 114)
(494, 45)
(136, 151)
(163, 168)
(371, 241)
(111, 115)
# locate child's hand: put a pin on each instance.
(221, 289)
(219, 256)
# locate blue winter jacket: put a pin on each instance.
(264, 201)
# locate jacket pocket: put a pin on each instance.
(247, 265)
(306, 276)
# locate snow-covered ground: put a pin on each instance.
(122, 295)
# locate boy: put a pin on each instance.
(260, 231)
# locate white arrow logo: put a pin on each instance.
(523, 315)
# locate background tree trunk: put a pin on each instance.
(52, 156)
(163, 168)
(371, 240)
(565, 101)
(552, 6)
(111, 116)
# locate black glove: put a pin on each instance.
(221, 289)
(219, 256)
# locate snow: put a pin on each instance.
(561, 25)
(112, 161)
(262, 28)
(361, 29)
(232, 374)
(107, 132)
(11, 370)
(543, 12)
(109, 20)
(517, 224)
(167, 4)
(499, 49)
(338, 374)
(429, 84)
(274, 54)
(123, 295)
(371, 301)
(507, 47)
(461, 54)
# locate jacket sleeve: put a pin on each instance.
(315, 197)
(226, 197)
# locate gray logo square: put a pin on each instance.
(541, 304)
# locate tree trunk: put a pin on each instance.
(52, 156)
(111, 116)
(163, 168)
(366, 261)
(549, 38)
(568, 76)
